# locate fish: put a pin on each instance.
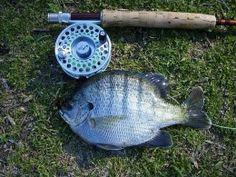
(118, 109)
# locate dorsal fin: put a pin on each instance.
(159, 81)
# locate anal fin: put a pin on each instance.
(109, 147)
(163, 139)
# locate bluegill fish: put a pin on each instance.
(118, 109)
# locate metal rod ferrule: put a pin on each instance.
(59, 17)
(74, 17)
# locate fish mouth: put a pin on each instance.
(64, 116)
(61, 113)
(69, 121)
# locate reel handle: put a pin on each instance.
(157, 19)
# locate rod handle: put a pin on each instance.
(157, 19)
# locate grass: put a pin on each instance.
(39, 143)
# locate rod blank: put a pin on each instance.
(226, 22)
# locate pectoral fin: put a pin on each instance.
(104, 122)
(163, 139)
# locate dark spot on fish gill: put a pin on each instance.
(90, 106)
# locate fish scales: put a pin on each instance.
(130, 95)
(123, 109)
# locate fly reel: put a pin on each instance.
(83, 49)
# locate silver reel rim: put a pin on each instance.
(74, 65)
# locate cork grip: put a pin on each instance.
(157, 19)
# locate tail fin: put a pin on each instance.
(195, 116)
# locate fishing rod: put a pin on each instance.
(152, 19)
(84, 48)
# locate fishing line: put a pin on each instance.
(224, 127)
(173, 99)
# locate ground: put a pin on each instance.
(34, 140)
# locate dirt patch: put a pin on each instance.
(199, 48)
(13, 115)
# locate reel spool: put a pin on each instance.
(83, 49)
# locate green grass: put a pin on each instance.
(41, 144)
